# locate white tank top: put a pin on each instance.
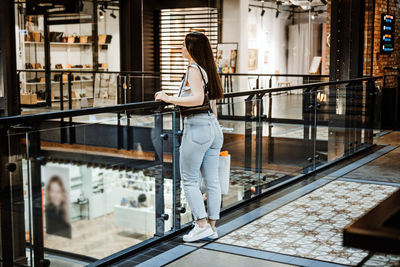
(184, 90)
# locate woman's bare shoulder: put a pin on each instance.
(194, 72)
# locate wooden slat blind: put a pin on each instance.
(175, 24)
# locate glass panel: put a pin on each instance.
(20, 195)
(240, 140)
(99, 190)
(322, 121)
(289, 137)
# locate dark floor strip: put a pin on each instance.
(363, 161)
(367, 181)
(265, 255)
(65, 259)
(168, 256)
(382, 133)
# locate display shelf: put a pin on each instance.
(73, 99)
(59, 70)
(53, 82)
(65, 100)
(61, 43)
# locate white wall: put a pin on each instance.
(234, 29)
(270, 39)
(111, 56)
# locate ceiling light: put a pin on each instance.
(262, 12)
(101, 15)
(277, 14)
(113, 15)
(249, 9)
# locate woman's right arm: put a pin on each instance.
(196, 87)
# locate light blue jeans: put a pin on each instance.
(199, 153)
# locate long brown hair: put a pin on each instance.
(199, 48)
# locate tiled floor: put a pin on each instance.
(311, 226)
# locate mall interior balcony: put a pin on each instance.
(90, 162)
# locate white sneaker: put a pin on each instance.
(215, 234)
(198, 233)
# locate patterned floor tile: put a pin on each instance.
(383, 260)
(312, 226)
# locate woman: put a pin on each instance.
(57, 217)
(202, 136)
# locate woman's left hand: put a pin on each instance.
(161, 96)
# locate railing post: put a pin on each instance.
(47, 58)
(7, 248)
(36, 161)
(370, 111)
(63, 132)
(259, 132)
(18, 93)
(308, 107)
(248, 132)
(258, 82)
(270, 126)
(129, 130)
(72, 137)
(349, 132)
(259, 138)
(120, 135)
(313, 121)
(159, 179)
(176, 184)
(69, 90)
(119, 86)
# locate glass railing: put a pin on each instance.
(74, 89)
(90, 183)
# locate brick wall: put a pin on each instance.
(379, 60)
(328, 32)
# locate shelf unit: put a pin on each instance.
(62, 53)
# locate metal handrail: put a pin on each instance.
(296, 87)
(174, 73)
(12, 120)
